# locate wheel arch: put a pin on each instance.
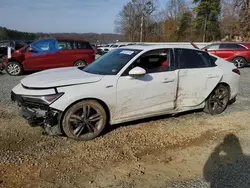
(241, 57)
(79, 60)
(102, 103)
(14, 59)
(221, 83)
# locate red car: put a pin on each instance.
(238, 53)
(49, 53)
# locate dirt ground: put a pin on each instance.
(150, 153)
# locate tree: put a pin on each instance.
(244, 18)
(230, 21)
(207, 15)
(172, 17)
(3, 33)
(135, 13)
(185, 30)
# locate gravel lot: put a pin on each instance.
(181, 151)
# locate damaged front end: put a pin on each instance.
(36, 110)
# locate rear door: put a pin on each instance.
(226, 50)
(82, 50)
(198, 76)
(230, 50)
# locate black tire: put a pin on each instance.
(77, 127)
(14, 68)
(218, 100)
(80, 63)
(239, 62)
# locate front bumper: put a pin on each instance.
(37, 114)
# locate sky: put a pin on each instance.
(78, 16)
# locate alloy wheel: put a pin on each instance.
(218, 100)
(239, 62)
(13, 69)
(80, 63)
(85, 122)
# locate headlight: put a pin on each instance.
(44, 99)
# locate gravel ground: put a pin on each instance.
(181, 151)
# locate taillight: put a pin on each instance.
(237, 71)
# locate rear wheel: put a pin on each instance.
(85, 120)
(218, 100)
(80, 63)
(14, 68)
(239, 62)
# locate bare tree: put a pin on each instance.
(135, 18)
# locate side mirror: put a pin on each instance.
(137, 72)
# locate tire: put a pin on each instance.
(218, 100)
(14, 68)
(80, 63)
(239, 62)
(77, 127)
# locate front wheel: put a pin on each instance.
(239, 62)
(218, 100)
(14, 68)
(84, 120)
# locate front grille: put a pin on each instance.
(16, 98)
(20, 100)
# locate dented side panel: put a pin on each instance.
(146, 95)
(195, 85)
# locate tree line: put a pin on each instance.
(182, 20)
(8, 34)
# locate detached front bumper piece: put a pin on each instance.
(38, 115)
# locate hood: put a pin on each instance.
(59, 77)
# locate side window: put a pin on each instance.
(83, 45)
(153, 61)
(213, 47)
(231, 46)
(189, 59)
(64, 45)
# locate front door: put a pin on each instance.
(150, 94)
(45, 54)
(198, 76)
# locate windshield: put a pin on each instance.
(112, 62)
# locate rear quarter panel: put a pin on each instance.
(71, 56)
(229, 77)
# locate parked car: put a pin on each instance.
(13, 44)
(236, 52)
(50, 53)
(126, 84)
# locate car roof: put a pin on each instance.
(158, 46)
(246, 44)
(70, 39)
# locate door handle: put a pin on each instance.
(212, 76)
(167, 80)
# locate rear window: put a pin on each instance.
(231, 46)
(81, 45)
(69, 45)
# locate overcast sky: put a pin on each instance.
(61, 15)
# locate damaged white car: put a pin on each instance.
(129, 83)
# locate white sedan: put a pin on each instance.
(129, 83)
